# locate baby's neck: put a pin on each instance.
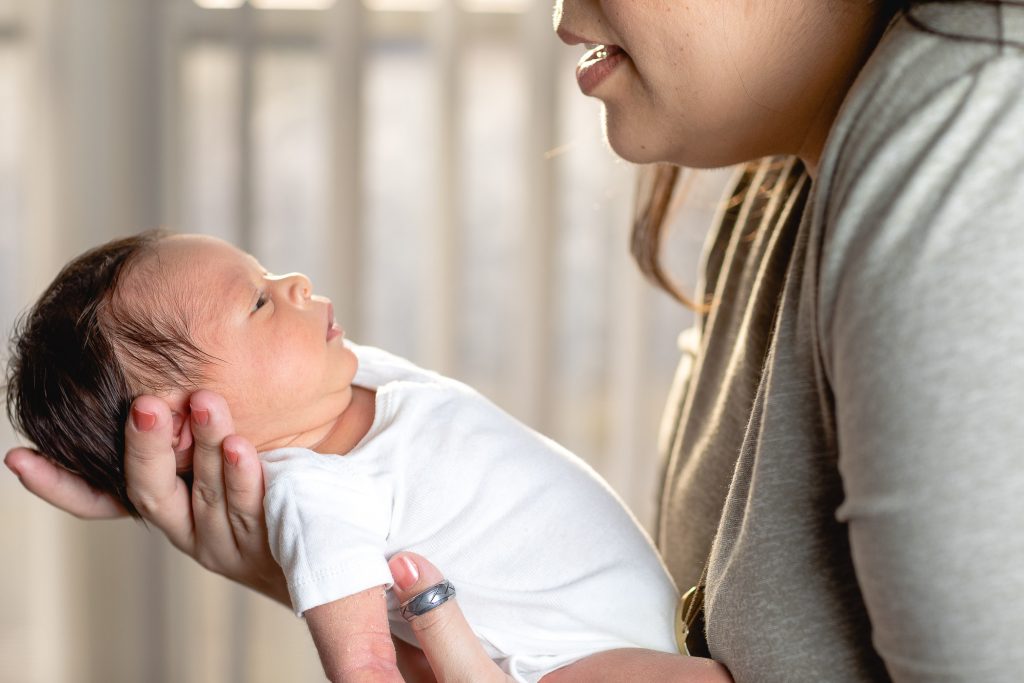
(352, 425)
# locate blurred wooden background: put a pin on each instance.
(429, 163)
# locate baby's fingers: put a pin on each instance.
(60, 488)
(451, 647)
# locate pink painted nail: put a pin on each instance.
(404, 571)
(143, 421)
(12, 469)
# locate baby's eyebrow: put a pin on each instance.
(238, 288)
(258, 265)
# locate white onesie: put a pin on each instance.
(547, 563)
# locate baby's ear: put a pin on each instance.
(181, 430)
(181, 438)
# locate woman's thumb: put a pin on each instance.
(451, 647)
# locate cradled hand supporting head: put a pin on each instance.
(80, 356)
(219, 522)
(79, 385)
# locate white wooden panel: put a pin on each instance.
(291, 162)
(210, 171)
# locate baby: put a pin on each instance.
(364, 453)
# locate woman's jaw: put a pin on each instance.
(710, 85)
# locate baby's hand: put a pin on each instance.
(640, 665)
(353, 638)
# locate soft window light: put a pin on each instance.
(220, 4)
(495, 5)
(292, 4)
(401, 5)
(267, 4)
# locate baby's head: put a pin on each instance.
(166, 315)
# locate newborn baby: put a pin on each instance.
(364, 453)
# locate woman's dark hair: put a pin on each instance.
(79, 356)
(658, 182)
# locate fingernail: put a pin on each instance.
(201, 416)
(404, 571)
(12, 469)
(231, 456)
(143, 421)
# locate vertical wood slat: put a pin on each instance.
(439, 292)
(49, 629)
(171, 141)
(540, 229)
(343, 36)
(627, 308)
(245, 43)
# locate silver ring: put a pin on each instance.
(433, 597)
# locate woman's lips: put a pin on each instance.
(596, 65)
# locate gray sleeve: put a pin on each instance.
(922, 323)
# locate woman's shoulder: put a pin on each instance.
(937, 76)
(920, 192)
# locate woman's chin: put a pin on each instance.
(637, 152)
(636, 144)
(626, 144)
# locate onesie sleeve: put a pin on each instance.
(923, 322)
(327, 524)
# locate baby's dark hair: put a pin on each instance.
(80, 356)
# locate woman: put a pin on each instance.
(845, 463)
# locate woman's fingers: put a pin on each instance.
(220, 521)
(211, 424)
(450, 645)
(243, 488)
(160, 496)
(60, 488)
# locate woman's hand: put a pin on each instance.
(456, 656)
(450, 646)
(219, 522)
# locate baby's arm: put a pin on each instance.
(640, 665)
(353, 638)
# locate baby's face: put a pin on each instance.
(283, 368)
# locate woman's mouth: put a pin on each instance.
(596, 65)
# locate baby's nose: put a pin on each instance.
(299, 287)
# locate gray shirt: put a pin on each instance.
(849, 445)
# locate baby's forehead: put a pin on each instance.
(200, 257)
(201, 250)
(193, 273)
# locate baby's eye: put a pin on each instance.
(260, 302)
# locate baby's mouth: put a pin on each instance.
(333, 330)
